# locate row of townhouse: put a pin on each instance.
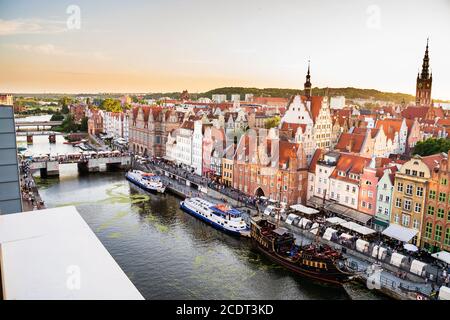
(113, 124)
(379, 191)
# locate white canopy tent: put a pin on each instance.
(400, 233)
(304, 222)
(397, 259)
(304, 209)
(291, 218)
(444, 256)
(336, 220)
(357, 228)
(329, 233)
(379, 252)
(362, 245)
(314, 228)
(346, 236)
(418, 267)
(444, 293)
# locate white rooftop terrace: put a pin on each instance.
(53, 254)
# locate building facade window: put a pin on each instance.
(405, 220)
(400, 187)
(417, 207)
(447, 237)
(442, 196)
(432, 194)
(430, 210)
(428, 230)
(398, 203)
(409, 189)
(419, 191)
(438, 232)
(407, 205)
(440, 213)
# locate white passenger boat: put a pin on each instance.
(220, 216)
(147, 181)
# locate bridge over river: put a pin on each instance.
(87, 162)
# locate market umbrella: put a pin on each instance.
(410, 247)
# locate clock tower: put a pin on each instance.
(424, 80)
(308, 86)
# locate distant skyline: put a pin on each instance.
(198, 45)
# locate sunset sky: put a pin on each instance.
(171, 45)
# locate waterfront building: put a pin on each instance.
(312, 173)
(385, 187)
(6, 99)
(116, 124)
(410, 191)
(324, 167)
(149, 127)
(171, 146)
(197, 147)
(184, 144)
(78, 111)
(367, 201)
(345, 180)
(273, 168)
(436, 226)
(10, 196)
(95, 121)
(227, 171)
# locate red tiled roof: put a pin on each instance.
(293, 126)
(350, 164)
(390, 126)
(317, 155)
(433, 160)
(444, 122)
(350, 142)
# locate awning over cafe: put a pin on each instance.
(444, 256)
(348, 212)
(400, 233)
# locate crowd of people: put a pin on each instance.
(28, 187)
(189, 174)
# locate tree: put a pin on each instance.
(84, 124)
(111, 105)
(64, 102)
(272, 122)
(57, 117)
(432, 146)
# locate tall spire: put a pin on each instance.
(308, 82)
(426, 64)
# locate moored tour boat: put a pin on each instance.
(318, 262)
(220, 216)
(147, 181)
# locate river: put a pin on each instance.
(167, 253)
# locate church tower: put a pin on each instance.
(424, 80)
(308, 87)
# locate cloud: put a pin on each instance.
(52, 50)
(47, 49)
(31, 26)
